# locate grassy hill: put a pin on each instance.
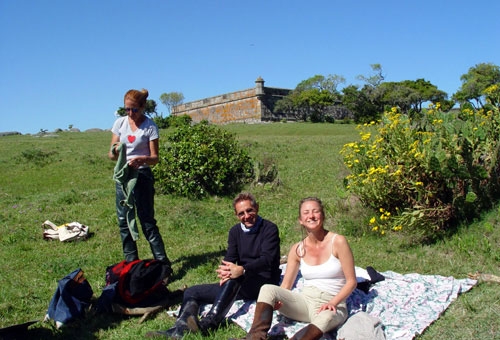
(67, 177)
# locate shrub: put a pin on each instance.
(424, 175)
(161, 122)
(202, 160)
(182, 120)
(36, 157)
(265, 173)
(172, 121)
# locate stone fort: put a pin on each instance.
(253, 105)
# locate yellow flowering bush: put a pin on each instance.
(429, 172)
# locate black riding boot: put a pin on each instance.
(129, 246)
(221, 306)
(156, 242)
(188, 318)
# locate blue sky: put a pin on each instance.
(69, 62)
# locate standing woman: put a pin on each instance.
(134, 145)
(326, 263)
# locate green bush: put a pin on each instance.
(182, 120)
(161, 122)
(202, 160)
(265, 173)
(425, 175)
(172, 121)
(36, 157)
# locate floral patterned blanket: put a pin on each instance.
(406, 304)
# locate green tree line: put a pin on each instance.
(319, 99)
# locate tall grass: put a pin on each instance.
(67, 177)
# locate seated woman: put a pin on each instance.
(326, 263)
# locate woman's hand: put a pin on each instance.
(113, 150)
(327, 306)
(137, 162)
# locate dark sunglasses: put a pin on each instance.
(133, 109)
(249, 211)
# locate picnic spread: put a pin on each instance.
(406, 304)
(402, 305)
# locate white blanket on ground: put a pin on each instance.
(406, 304)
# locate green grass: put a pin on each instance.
(68, 177)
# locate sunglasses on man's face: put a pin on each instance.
(249, 211)
(133, 109)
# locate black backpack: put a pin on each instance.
(139, 283)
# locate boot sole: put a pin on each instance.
(192, 324)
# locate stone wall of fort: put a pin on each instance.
(247, 106)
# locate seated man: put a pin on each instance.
(252, 260)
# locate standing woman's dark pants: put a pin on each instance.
(144, 205)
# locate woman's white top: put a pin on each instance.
(137, 141)
(327, 277)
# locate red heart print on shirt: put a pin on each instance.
(131, 138)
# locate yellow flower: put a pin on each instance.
(365, 136)
(372, 220)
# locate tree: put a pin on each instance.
(369, 104)
(396, 94)
(286, 105)
(409, 95)
(149, 109)
(475, 82)
(321, 83)
(171, 100)
(427, 92)
(362, 103)
(312, 97)
(376, 79)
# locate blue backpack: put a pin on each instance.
(71, 299)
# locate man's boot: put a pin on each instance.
(221, 306)
(261, 322)
(188, 316)
(310, 332)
